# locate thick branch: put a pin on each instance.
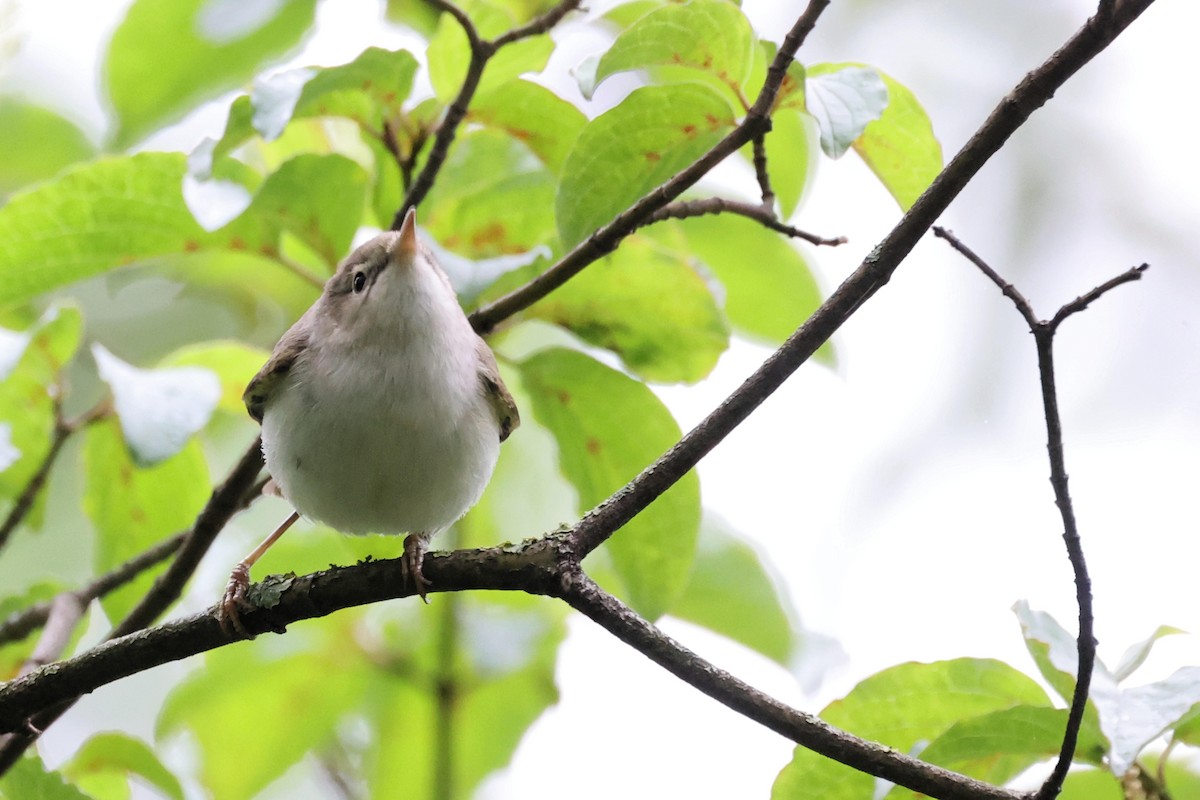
(530, 567)
(804, 729)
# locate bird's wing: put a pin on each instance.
(290, 347)
(497, 393)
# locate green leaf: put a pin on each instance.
(1054, 650)
(900, 708)
(608, 428)
(1129, 718)
(30, 780)
(169, 55)
(769, 288)
(626, 14)
(534, 115)
(159, 410)
(97, 216)
(367, 90)
(234, 363)
(624, 153)
(119, 211)
(900, 147)
(30, 364)
(37, 143)
(132, 508)
(844, 100)
(810, 776)
(1092, 784)
(116, 756)
(318, 198)
(494, 197)
(707, 39)
(617, 303)
(495, 656)
(449, 52)
(1136, 654)
(286, 707)
(730, 584)
(997, 747)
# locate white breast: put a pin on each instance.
(390, 432)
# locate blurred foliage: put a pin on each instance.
(132, 253)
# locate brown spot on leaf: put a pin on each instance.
(564, 396)
(652, 155)
(491, 234)
(593, 446)
(367, 84)
(389, 98)
(191, 246)
(137, 515)
(237, 243)
(126, 474)
(678, 59)
(689, 131)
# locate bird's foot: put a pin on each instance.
(410, 564)
(229, 611)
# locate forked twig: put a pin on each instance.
(1043, 333)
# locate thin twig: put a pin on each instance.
(25, 500)
(763, 174)
(63, 430)
(482, 51)
(1043, 333)
(682, 209)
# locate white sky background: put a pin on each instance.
(903, 496)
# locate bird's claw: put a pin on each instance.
(410, 564)
(229, 611)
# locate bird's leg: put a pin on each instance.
(239, 581)
(415, 545)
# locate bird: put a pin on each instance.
(382, 410)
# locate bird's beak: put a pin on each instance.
(407, 246)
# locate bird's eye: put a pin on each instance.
(360, 282)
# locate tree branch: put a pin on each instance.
(806, 730)
(763, 174)
(63, 430)
(756, 123)
(682, 209)
(1043, 332)
(482, 51)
